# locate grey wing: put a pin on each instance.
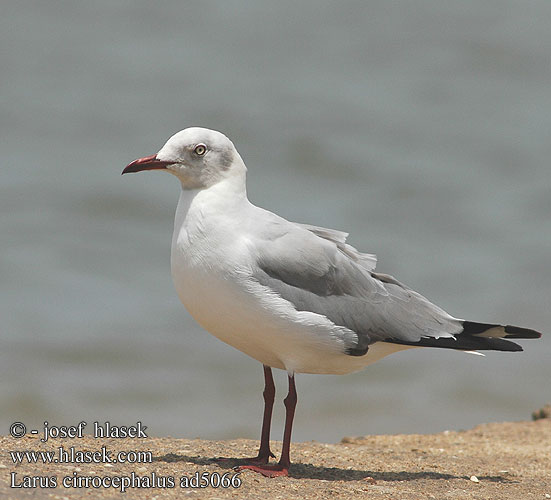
(313, 273)
(367, 260)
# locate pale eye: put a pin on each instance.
(200, 149)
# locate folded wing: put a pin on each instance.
(316, 270)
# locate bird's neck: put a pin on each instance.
(222, 198)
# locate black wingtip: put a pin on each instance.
(463, 342)
(510, 331)
(516, 332)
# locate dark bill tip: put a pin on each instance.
(146, 163)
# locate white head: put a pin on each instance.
(199, 157)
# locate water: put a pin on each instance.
(421, 128)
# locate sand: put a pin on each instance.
(491, 461)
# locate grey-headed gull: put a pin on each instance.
(292, 296)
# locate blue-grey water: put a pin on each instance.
(422, 128)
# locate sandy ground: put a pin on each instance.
(491, 461)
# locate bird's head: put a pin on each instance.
(199, 157)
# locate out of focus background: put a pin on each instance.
(422, 128)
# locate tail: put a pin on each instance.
(480, 337)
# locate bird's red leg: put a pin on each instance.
(290, 404)
(282, 467)
(264, 453)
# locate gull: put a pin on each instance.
(292, 296)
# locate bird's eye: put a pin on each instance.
(200, 149)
